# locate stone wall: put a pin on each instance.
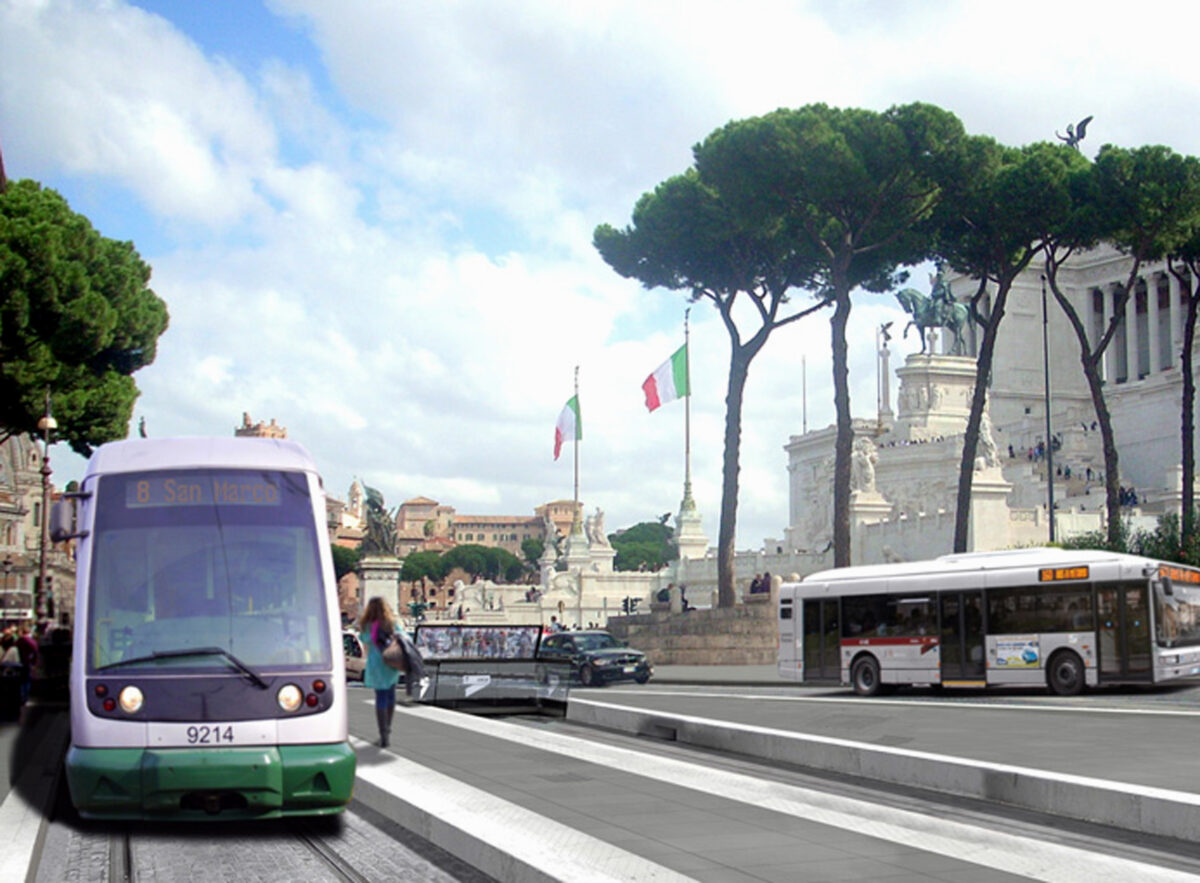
(743, 635)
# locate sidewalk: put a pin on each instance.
(743, 675)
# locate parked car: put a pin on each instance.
(597, 657)
(356, 656)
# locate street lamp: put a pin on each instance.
(46, 425)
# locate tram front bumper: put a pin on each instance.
(216, 783)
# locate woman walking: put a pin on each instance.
(376, 626)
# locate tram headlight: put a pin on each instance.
(131, 700)
(289, 697)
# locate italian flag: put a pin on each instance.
(668, 382)
(569, 428)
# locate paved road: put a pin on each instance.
(541, 799)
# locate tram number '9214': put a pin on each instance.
(204, 735)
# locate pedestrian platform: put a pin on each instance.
(1084, 760)
(530, 801)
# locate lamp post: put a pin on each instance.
(1049, 437)
(46, 425)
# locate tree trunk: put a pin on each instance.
(983, 371)
(1188, 421)
(844, 444)
(1112, 497)
(1091, 359)
(739, 365)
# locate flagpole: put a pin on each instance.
(576, 521)
(687, 409)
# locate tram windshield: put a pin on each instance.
(224, 559)
(1178, 615)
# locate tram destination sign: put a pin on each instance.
(1060, 574)
(202, 489)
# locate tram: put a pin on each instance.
(208, 679)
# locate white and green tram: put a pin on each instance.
(1048, 617)
(207, 679)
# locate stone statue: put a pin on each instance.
(380, 538)
(549, 531)
(988, 455)
(595, 530)
(938, 310)
(1075, 133)
(862, 465)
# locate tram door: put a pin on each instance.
(822, 641)
(962, 636)
(1123, 620)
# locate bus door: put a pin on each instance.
(822, 640)
(962, 636)
(1123, 622)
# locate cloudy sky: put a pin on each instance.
(372, 221)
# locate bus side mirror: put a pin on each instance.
(62, 520)
(1167, 588)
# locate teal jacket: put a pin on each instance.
(378, 674)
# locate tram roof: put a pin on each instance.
(148, 454)
(971, 561)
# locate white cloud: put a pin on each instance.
(408, 285)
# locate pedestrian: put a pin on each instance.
(27, 648)
(376, 627)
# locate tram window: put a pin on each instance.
(1037, 609)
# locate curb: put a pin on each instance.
(1155, 811)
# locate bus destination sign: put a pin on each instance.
(1179, 574)
(1056, 574)
(221, 489)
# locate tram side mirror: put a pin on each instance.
(1167, 588)
(62, 520)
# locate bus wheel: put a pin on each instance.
(1064, 676)
(865, 676)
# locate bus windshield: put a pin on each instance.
(225, 560)
(1178, 616)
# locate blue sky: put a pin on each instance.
(372, 221)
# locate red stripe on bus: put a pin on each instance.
(881, 642)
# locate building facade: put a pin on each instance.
(906, 463)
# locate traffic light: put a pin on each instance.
(626, 606)
(633, 603)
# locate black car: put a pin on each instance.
(597, 656)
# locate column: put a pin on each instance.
(1108, 365)
(1152, 320)
(1131, 336)
(1176, 332)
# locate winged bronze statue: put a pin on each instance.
(1075, 133)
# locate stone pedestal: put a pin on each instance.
(935, 396)
(381, 578)
(990, 526)
(578, 556)
(602, 558)
(546, 565)
(689, 528)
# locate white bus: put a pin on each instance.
(1053, 617)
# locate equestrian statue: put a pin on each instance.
(937, 310)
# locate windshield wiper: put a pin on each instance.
(193, 651)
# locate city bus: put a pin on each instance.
(1062, 619)
(208, 679)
